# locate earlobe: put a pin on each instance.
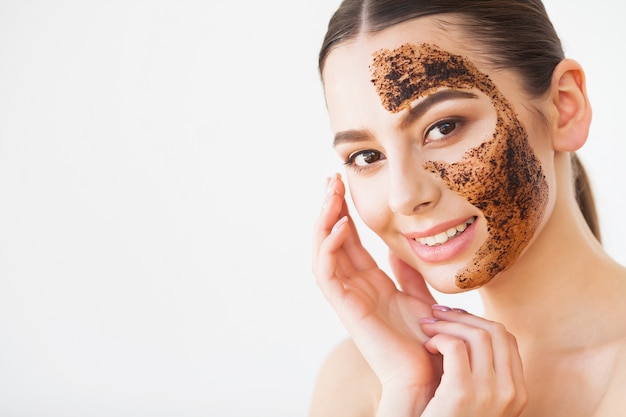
(569, 96)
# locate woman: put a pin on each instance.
(458, 122)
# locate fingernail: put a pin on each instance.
(330, 184)
(329, 191)
(339, 223)
(439, 307)
(428, 320)
(459, 310)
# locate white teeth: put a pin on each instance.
(443, 237)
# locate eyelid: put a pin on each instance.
(353, 155)
(458, 121)
(350, 160)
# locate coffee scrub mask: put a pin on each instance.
(502, 177)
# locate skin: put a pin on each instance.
(552, 339)
(401, 197)
(501, 177)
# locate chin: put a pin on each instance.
(448, 287)
(443, 278)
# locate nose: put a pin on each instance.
(412, 189)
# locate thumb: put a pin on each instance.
(410, 280)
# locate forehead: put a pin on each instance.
(356, 54)
(396, 66)
(403, 74)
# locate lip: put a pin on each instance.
(446, 251)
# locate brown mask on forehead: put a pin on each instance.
(502, 176)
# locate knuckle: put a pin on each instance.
(522, 402)
(462, 397)
(512, 398)
(512, 340)
(508, 395)
(449, 344)
(457, 345)
(480, 335)
(497, 328)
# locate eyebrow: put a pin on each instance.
(351, 136)
(414, 113)
(423, 106)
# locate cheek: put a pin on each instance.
(370, 202)
(505, 180)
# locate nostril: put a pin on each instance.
(408, 208)
(412, 189)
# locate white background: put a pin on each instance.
(161, 167)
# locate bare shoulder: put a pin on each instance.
(346, 385)
(612, 403)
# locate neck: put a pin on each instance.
(561, 282)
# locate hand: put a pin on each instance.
(382, 320)
(482, 369)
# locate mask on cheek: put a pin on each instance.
(502, 177)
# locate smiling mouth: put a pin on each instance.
(443, 237)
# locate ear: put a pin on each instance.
(569, 97)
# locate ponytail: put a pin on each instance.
(584, 196)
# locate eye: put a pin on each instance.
(362, 159)
(440, 130)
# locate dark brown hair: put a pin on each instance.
(514, 34)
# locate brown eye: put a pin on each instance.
(364, 158)
(440, 130)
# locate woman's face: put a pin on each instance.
(441, 162)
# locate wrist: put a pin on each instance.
(404, 401)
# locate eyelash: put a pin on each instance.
(350, 162)
(454, 122)
(446, 136)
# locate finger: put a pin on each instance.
(456, 363)
(329, 215)
(360, 257)
(517, 366)
(501, 340)
(461, 383)
(410, 280)
(336, 207)
(334, 261)
(493, 354)
(506, 360)
(331, 264)
(332, 206)
(477, 342)
(339, 282)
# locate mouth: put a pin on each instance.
(444, 237)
